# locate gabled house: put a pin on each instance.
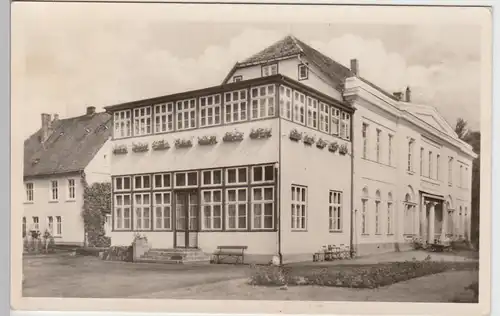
(291, 153)
(58, 159)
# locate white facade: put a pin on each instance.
(409, 176)
(54, 203)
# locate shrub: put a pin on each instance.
(118, 253)
(96, 202)
(352, 276)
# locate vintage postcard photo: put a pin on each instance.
(203, 157)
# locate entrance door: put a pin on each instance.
(186, 223)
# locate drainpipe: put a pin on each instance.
(353, 213)
(278, 195)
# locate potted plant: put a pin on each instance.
(308, 140)
(207, 140)
(183, 143)
(234, 136)
(140, 147)
(333, 147)
(343, 150)
(295, 135)
(160, 145)
(120, 149)
(260, 133)
(321, 143)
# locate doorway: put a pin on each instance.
(186, 219)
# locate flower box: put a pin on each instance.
(120, 150)
(309, 140)
(260, 133)
(295, 135)
(140, 147)
(343, 150)
(333, 147)
(160, 145)
(207, 140)
(321, 143)
(183, 143)
(233, 137)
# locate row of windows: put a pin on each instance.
(381, 211)
(433, 168)
(308, 111)
(299, 209)
(230, 107)
(245, 208)
(54, 190)
(379, 145)
(205, 178)
(35, 225)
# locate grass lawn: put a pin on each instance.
(65, 276)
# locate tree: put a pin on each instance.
(473, 138)
(461, 128)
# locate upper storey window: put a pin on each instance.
(299, 105)
(164, 117)
(286, 102)
(186, 114)
(235, 106)
(269, 70)
(142, 121)
(210, 110)
(303, 72)
(123, 123)
(263, 101)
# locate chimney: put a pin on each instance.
(355, 67)
(398, 95)
(408, 94)
(90, 110)
(55, 118)
(46, 127)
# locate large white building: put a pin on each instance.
(292, 152)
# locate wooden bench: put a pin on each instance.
(224, 252)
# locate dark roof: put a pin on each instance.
(292, 46)
(230, 87)
(69, 148)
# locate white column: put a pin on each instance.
(432, 218)
(423, 220)
(444, 227)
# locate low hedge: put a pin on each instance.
(373, 276)
(118, 253)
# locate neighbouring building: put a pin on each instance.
(57, 159)
(292, 152)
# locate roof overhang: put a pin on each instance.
(359, 89)
(244, 84)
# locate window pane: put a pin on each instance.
(269, 173)
(257, 174)
(242, 195)
(192, 178)
(231, 176)
(242, 174)
(268, 193)
(207, 177)
(217, 177)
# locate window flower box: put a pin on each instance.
(233, 137)
(207, 140)
(120, 150)
(260, 133)
(140, 147)
(183, 143)
(343, 150)
(321, 143)
(333, 147)
(160, 145)
(295, 135)
(309, 140)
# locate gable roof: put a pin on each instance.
(429, 115)
(69, 148)
(289, 47)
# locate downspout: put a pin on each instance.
(353, 213)
(278, 195)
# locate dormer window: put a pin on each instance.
(303, 72)
(237, 78)
(269, 70)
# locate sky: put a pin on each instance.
(68, 56)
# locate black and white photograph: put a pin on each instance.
(236, 153)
